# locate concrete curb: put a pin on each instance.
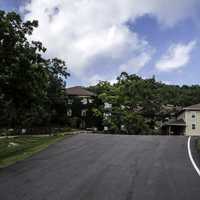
(46, 135)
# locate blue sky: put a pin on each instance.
(100, 39)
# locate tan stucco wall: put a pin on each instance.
(189, 121)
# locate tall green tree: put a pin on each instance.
(30, 86)
(141, 105)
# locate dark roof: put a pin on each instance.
(174, 122)
(79, 91)
(193, 107)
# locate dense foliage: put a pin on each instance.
(139, 106)
(31, 87)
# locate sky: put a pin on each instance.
(100, 39)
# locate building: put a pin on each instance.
(80, 103)
(107, 113)
(187, 122)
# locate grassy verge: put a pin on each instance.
(19, 148)
(198, 145)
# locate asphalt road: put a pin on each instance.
(105, 167)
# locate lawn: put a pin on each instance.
(198, 145)
(19, 148)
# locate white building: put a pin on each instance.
(186, 123)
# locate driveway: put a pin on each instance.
(105, 167)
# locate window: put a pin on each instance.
(84, 101)
(69, 113)
(83, 113)
(90, 100)
(70, 101)
(106, 115)
(193, 126)
(122, 127)
(105, 128)
(122, 107)
(107, 105)
(193, 114)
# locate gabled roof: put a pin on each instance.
(193, 107)
(79, 91)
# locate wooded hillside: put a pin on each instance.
(141, 105)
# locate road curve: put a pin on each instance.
(105, 167)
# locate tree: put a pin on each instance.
(146, 103)
(135, 124)
(30, 86)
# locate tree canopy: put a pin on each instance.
(31, 87)
(139, 106)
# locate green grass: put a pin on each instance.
(198, 145)
(19, 148)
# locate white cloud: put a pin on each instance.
(113, 81)
(167, 82)
(96, 78)
(176, 57)
(93, 80)
(170, 12)
(136, 63)
(84, 32)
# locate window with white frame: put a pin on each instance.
(90, 100)
(107, 115)
(122, 127)
(105, 128)
(83, 113)
(70, 101)
(193, 118)
(193, 126)
(107, 105)
(84, 101)
(122, 107)
(69, 112)
(193, 115)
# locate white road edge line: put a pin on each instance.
(191, 158)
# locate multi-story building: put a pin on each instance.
(80, 104)
(187, 122)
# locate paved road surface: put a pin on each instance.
(105, 167)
